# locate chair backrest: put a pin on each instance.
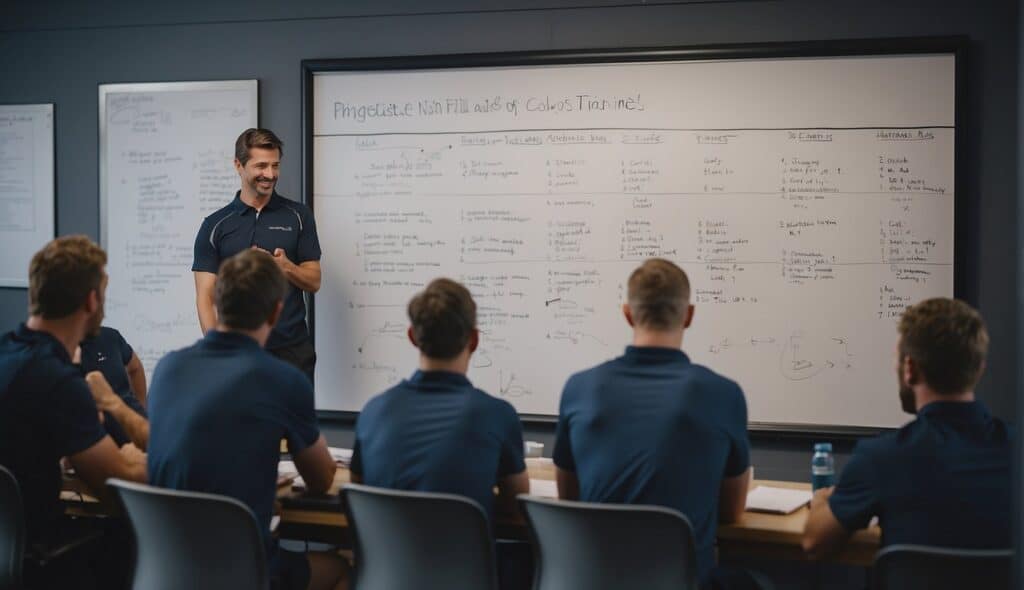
(192, 540)
(940, 568)
(419, 540)
(12, 530)
(609, 546)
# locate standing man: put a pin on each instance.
(943, 479)
(260, 218)
(651, 427)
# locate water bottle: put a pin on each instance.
(823, 467)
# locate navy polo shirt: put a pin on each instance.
(109, 353)
(218, 411)
(435, 432)
(943, 479)
(46, 412)
(282, 223)
(650, 427)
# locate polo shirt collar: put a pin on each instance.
(974, 412)
(230, 340)
(655, 355)
(26, 334)
(439, 377)
(241, 208)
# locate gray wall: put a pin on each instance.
(58, 51)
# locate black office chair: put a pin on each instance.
(907, 567)
(192, 540)
(418, 540)
(12, 531)
(609, 546)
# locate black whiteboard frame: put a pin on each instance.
(963, 215)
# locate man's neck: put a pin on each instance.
(253, 199)
(924, 395)
(458, 364)
(260, 334)
(661, 339)
(68, 331)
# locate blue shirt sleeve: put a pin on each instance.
(309, 243)
(562, 453)
(739, 444)
(301, 430)
(124, 347)
(855, 499)
(205, 257)
(511, 461)
(73, 420)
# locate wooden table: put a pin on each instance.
(769, 536)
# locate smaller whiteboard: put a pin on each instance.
(166, 162)
(26, 187)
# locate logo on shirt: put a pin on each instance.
(100, 357)
(281, 227)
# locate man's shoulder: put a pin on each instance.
(219, 214)
(298, 206)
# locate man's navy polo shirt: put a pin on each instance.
(282, 223)
(435, 432)
(650, 427)
(109, 353)
(46, 412)
(218, 411)
(943, 479)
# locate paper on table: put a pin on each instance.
(287, 468)
(340, 455)
(543, 488)
(776, 500)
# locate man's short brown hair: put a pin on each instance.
(948, 342)
(256, 138)
(658, 295)
(62, 274)
(249, 287)
(443, 318)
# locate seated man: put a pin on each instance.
(46, 408)
(464, 441)
(944, 478)
(650, 427)
(220, 408)
(106, 351)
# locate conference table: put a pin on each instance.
(760, 535)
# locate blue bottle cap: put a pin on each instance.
(823, 447)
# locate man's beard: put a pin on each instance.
(907, 401)
(95, 322)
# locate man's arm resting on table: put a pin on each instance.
(104, 460)
(137, 378)
(135, 426)
(568, 484)
(206, 282)
(732, 497)
(823, 533)
(316, 466)
(509, 487)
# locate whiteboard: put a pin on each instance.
(166, 162)
(27, 214)
(810, 200)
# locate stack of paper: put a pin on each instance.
(340, 455)
(776, 500)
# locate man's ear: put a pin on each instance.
(910, 370)
(474, 340)
(276, 314)
(689, 316)
(412, 337)
(628, 313)
(92, 302)
(238, 166)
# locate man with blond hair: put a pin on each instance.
(944, 478)
(651, 427)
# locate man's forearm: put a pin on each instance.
(135, 426)
(303, 278)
